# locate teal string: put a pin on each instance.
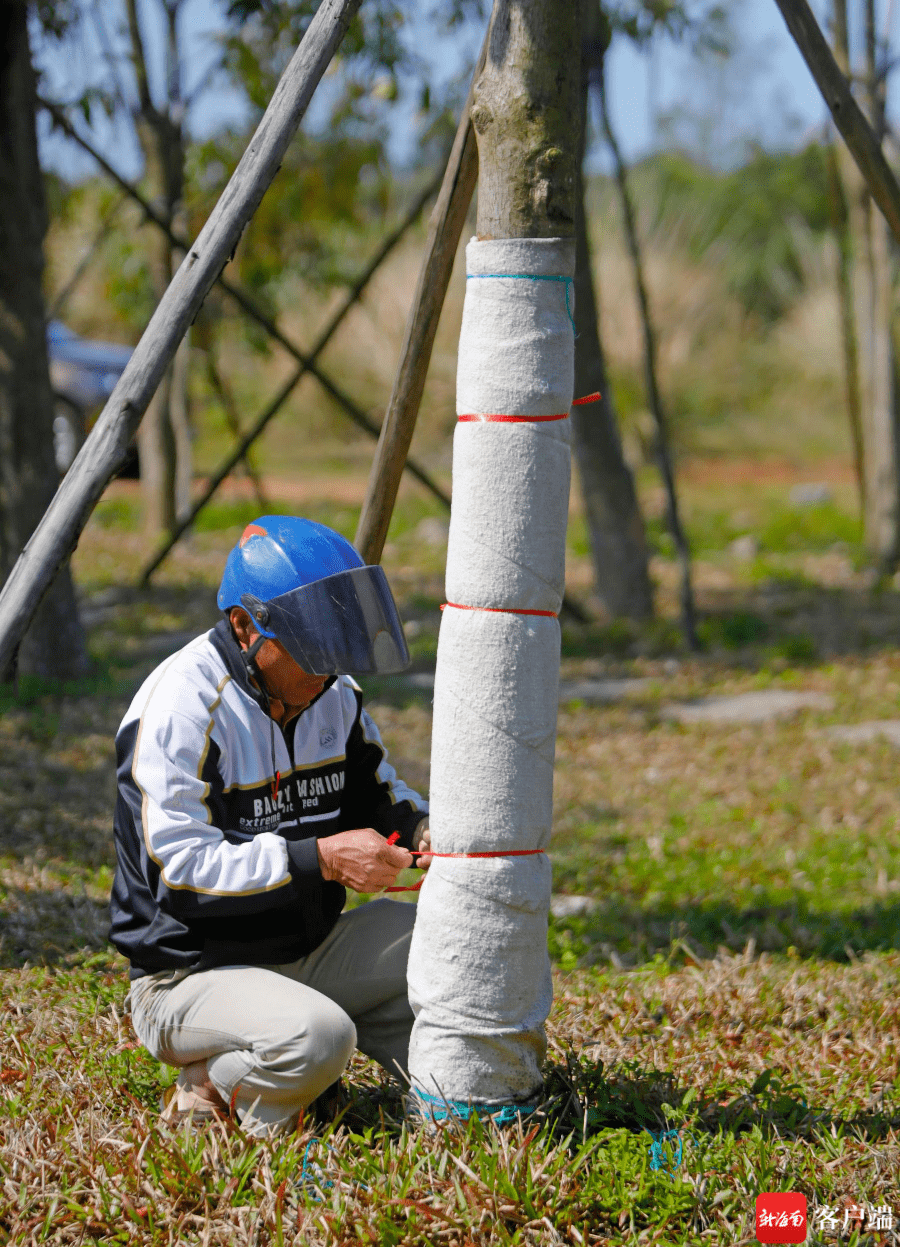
(311, 1175)
(533, 277)
(442, 1109)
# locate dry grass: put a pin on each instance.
(735, 983)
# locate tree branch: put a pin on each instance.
(107, 445)
(848, 116)
(246, 303)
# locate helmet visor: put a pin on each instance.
(346, 623)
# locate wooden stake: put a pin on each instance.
(106, 448)
(444, 232)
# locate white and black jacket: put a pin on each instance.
(214, 867)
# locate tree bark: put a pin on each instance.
(614, 521)
(525, 116)
(54, 645)
(479, 973)
(840, 218)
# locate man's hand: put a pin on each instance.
(361, 859)
(422, 844)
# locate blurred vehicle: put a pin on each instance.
(83, 374)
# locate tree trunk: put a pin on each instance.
(879, 398)
(875, 317)
(614, 521)
(840, 219)
(479, 973)
(164, 436)
(868, 244)
(654, 397)
(54, 645)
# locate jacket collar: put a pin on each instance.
(226, 646)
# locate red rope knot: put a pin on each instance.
(395, 836)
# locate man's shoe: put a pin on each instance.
(329, 1104)
(199, 1115)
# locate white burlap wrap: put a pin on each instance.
(479, 973)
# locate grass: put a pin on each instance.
(732, 975)
(726, 1018)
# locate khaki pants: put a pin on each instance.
(274, 1037)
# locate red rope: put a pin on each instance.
(500, 610)
(395, 836)
(471, 417)
(495, 418)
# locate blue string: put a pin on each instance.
(313, 1175)
(441, 1108)
(309, 1175)
(657, 1155)
(534, 277)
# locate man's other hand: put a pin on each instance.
(422, 844)
(361, 859)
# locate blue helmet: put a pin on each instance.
(305, 585)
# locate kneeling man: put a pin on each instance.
(253, 788)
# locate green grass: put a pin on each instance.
(778, 527)
(733, 982)
(709, 1055)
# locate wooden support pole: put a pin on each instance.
(245, 302)
(849, 118)
(444, 232)
(106, 447)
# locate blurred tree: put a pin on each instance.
(164, 437)
(335, 178)
(612, 512)
(662, 447)
(872, 278)
(54, 645)
(757, 218)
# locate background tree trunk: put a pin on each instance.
(849, 337)
(875, 317)
(664, 457)
(54, 645)
(870, 264)
(164, 435)
(614, 521)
